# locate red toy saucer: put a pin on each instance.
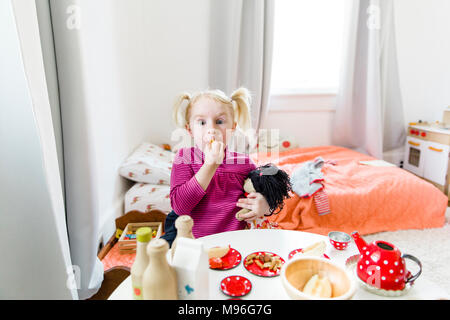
(256, 270)
(230, 260)
(294, 252)
(235, 286)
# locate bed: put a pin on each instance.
(361, 197)
(365, 198)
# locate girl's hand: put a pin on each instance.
(214, 152)
(257, 205)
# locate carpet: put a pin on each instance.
(430, 246)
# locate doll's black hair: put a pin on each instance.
(273, 183)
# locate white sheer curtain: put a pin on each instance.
(241, 50)
(78, 218)
(369, 113)
(36, 261)
(82, 186)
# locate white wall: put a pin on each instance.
(157, 49)
(309, 127)
(176, 34)
(133, 58)
(423, 33)
(145, 52)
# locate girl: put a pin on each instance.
(207, 179)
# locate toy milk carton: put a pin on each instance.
(192, 267)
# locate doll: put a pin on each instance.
(274, 184)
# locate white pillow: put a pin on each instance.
(145, 197)
(149, 163)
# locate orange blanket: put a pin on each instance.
(363, 198)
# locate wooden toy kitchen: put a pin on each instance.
(427, 151)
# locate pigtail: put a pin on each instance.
(180, 115)
(242, 98)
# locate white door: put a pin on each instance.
(414, 155)
(436, 162)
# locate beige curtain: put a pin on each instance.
(241, 50)
(369, 113)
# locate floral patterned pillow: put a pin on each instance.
(149, 163)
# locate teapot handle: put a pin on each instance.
(414, 277)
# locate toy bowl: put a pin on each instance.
(296, 273)
(339, 240)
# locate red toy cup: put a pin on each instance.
(339, 240)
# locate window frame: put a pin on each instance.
(314, 99)
(303, 100)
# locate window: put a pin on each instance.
(308, 43)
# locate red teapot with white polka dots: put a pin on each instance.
(382, 265)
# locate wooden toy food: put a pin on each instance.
(159, 280)
(296, 273)
(316, 249)
(264, 260)
(318, 287)
(218, 252)
(127, 238)
(183, 224)
(215, 263)
(293, 254)
(221, 261)
(140, 262)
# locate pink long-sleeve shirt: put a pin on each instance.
(213, 210)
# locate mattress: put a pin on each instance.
(362, 197)
(145, 197)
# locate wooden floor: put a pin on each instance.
(114, 276)
(111, 280)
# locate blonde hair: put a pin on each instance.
(239, 102)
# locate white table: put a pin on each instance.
(280, 242)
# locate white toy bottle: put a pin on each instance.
(143, 237)
(191, 264)
(184, 225)
(160, 279)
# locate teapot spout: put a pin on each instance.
(360, 243)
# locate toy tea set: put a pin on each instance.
(182, 271)
(185, 277)
(381, 267)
